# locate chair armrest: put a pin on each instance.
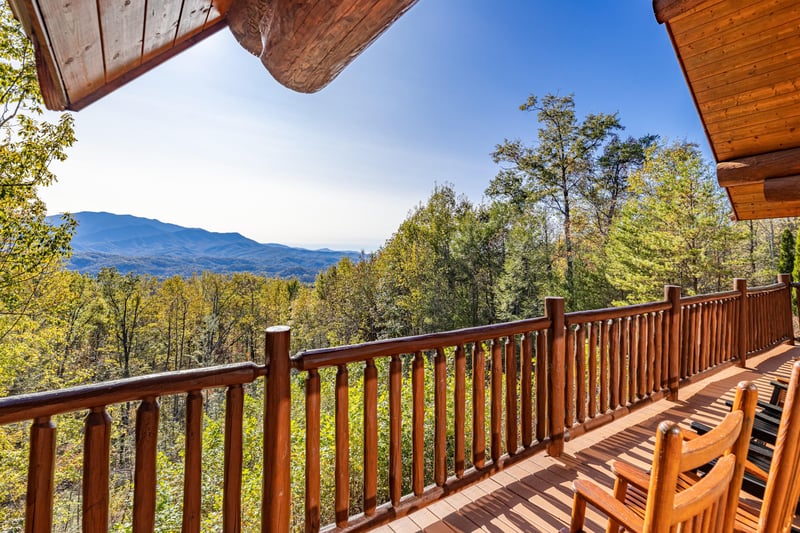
(608, 504)
(633, 475)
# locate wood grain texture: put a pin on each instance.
(496, 401)
(395, 435)
(73, 29)
(232, 460)
(418, 424)
(526, 389)
(97, 438)
(554, 310)
(440, 418)
(193, 464)
(121, 24)
(41, 468)
(512, 430)
(460, 407)
(370, 438)
(312, 477)
(478, 405)
(342, 464)
(306, 45)
(277, 426)
(144, 475)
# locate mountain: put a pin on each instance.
(147, 246)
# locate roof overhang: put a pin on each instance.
(86, 49)
(741, 61)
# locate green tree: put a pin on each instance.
(30, 248)
(674, 229)
(786, 253)
(558, 168)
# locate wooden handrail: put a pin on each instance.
(50, 403)
(343, 355)
(766, 288)
(705, 298)
(612, 313)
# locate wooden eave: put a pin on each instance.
(741, 61)
(85, 49)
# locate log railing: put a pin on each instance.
(40, 408)
(480, 399)
(769, 312)
(709, 325)
(492, 359)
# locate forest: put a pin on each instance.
(580, 210)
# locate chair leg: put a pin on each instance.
(620, 491)
(578, 514)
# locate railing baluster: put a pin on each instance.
(192, 479)
(604, 334)
(615, 365)
(627, 361)
(651, 351)
(460, 405)
(511, 395)
(633, 351)
(569, 377)
(478, 405)
(144, 480)
(643, 363)
(418, 424)
(395, 436)
(312, 451)
(342, 466)
(658, 352)
(97, 438)
(593, 332)
(496, 399)
(232, 476)
(580, 342)
(41, 466)
(526, 387)
(370, 438)
(440, 422)
(542, 381)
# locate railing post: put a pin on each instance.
(740, 284)
(672, 293)
(276, 489)
(786, 279)
(554, 310)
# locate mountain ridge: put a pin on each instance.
(149, 246)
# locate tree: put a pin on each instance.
(786, 254)
(556, 169)
(30, 248)
(123, 295)
(674, 229)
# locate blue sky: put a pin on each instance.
(210, 140)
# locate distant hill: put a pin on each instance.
(146, 246)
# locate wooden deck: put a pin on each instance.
(536, 494)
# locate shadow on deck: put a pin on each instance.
(536, 494)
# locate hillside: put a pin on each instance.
(146, 246)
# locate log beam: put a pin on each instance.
(785, 189)
(758, 168)
(305, 45)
